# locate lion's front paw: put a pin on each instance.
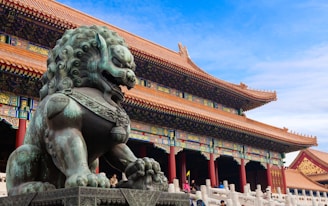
(145, 173)
(103, 181)
(88, 179)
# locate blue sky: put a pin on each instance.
(275, 45)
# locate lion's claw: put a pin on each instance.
(145, 173)
(89, 179)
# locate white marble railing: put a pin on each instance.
(213, 196)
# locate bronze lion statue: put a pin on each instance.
(80, 118)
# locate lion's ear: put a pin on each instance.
(102, 48)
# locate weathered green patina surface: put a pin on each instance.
(80, 118)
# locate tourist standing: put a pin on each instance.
(186, 187)
(194, 187)
(113, 181)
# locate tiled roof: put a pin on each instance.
(320, 156)
(163, 101)
(66, 17)
(297, 180)
(319, 177)
(21, 61)
(35, 64)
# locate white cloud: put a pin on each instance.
(301, 84)
(290, 158)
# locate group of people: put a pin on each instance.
(192, 187)
(200, 202)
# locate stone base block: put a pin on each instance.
(88, 196)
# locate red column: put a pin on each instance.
(183, 168)
(217, 173)
(212, 170)
(97, 168)
(269, 177)
(20, 133)
(172, 165)
(284, 189)
(242, 175)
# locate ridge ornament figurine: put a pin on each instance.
(80, 118)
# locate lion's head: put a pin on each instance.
(89, 57)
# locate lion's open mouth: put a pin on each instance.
(111, 81)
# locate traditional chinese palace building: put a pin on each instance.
(313, 164)
(181, 116)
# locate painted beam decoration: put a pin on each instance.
(16, 107)
(181, 139)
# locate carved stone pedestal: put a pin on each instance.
(87, 196)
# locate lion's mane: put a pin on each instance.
(71, 63)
